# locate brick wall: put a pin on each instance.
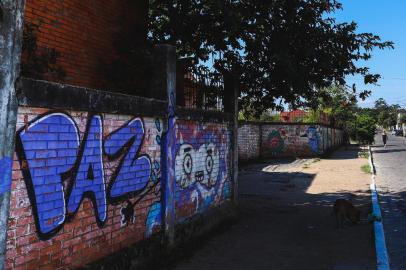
(249, 140)
(95, 172)
(283, 140)
(83, 33)
(84, 186)
(203, 167)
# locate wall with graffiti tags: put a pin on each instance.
(285, 140)
(83, 184)
(203, 167)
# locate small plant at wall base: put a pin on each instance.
(363, 154)
(38, 62)
(366, 168)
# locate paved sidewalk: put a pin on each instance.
(287, 222)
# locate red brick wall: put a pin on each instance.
(269, 140)
(82, 31)
(78, 238)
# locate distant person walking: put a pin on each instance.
(384, 137)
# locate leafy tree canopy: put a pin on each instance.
(386, 114)
(339, 102)
(280, 50)
(363, 128)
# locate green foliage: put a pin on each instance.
(280, 50)
(364, 154)
(337, 102)
(38, 62)
(312, 116)
(366, 168)
(403, 118)
(264, 117)
(385, 114)
(363, 129)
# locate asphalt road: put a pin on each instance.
(390, 165)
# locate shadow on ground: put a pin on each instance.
(382, 146)
(393, 205)
(390, 151)
(284, 227)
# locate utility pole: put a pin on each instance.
(230, 101)
(11, 30)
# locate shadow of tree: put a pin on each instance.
(389, 151)
(282, 226)
(297, 230)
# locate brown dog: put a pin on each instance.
(345, 210)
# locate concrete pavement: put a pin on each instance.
(286, 219)
(390, 165)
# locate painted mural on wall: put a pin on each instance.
(314, 137)
(73, 168)
(276, 142)
(299, 140)
(202, 167)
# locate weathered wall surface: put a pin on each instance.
(84, 186)
(285, 140)
(89, 183)
(249, 141)
(82, 32)
(203, 167)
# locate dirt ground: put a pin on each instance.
(286, 218)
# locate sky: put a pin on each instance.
(386, 18)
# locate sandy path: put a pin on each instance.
(286, 220)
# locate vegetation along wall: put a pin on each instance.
(268, 140)
(88, 183)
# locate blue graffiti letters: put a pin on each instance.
(49, 153)
(314, 139)
(134, 171)
(89, 177)
(6, 164)
(60, 170)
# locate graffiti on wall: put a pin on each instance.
(62, 166)
(202, 167)
(276, 142)
(314, 139)
(5, 173)
(292, 140)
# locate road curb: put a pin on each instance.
(382, 258)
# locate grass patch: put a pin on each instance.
(316, 160)
(366, 168)
(363, 154)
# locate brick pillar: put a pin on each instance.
(11, 23)
(231, 95)
(165, 86)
